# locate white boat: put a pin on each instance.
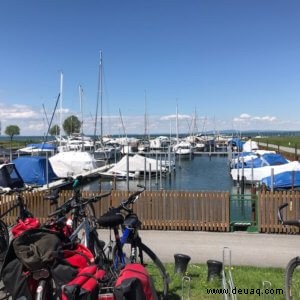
(76, 142)
(159, 143)
(72, 163)
(254, 175)
(197, 142)
(136, 166)
(38, 148)
(183, 149)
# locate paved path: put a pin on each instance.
(253, 249)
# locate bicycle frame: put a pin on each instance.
(86, 228)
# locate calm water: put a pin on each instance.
(198, 174)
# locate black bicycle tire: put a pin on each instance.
(289, 273)
(163, 272)
(160, 266)
(97, 247)
(4, 240)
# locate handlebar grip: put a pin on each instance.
(133, 196)
(55, 213)
(97, 198)
(283, 206)
(292, 222)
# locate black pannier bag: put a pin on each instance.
(37, 248)
(33, 250)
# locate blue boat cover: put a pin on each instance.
(33, 170)
(284, 180)
(42, 146)
(267, 159)
(236, 142)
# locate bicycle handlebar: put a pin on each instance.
(132, 198)
(286, 222)
(73, 203)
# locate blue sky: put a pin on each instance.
(234, 64)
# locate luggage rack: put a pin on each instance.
(106, 293)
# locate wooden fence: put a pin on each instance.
(176, 210)
(267, 209)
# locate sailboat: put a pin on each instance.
(182, 148)
(102, 152)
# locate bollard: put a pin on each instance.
(181, 263)
(214, 269)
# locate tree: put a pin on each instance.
(12, 130)
(71, 125)
(54, 130)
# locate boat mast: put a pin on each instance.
(81, 109)
(60, 109)
(145, 118)
(99, 97)
(177, 133)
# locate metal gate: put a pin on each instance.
(243, 212)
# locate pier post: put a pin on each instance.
(127, 171)
(145, 176)
(156, 172)
(149, 176)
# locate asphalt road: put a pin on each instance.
(252, 249)
(281, 148)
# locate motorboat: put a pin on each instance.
(136, 166)
(256, 174)
(289, 179)
(72, 163)
(183, 149)
(9, 176)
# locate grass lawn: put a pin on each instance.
(250, 282)
(286, 141)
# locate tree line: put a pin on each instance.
(70, 125)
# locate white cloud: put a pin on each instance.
(33, 122)
(16, 112)
(246, 118)
(174, 116)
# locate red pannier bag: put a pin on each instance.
(71, 263)
(84, 285)
(79, 257)
(21, 226)
(134, 283)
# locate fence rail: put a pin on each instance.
(176, 210)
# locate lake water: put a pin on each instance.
(201, 173)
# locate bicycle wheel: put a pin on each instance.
(97, 247)
(158, 273)
(4, 240)
(156, 269)
(292, 279)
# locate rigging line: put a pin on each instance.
(98, 96)
(45, 139)
(45, 114)
(122, 123)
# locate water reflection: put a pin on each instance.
(201, 173)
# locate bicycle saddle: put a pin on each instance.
(111, 218)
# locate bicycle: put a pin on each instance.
(82, 220)
(81, 230)
(8, 232)
(23, 214)
(136, 251)
(292, 271)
